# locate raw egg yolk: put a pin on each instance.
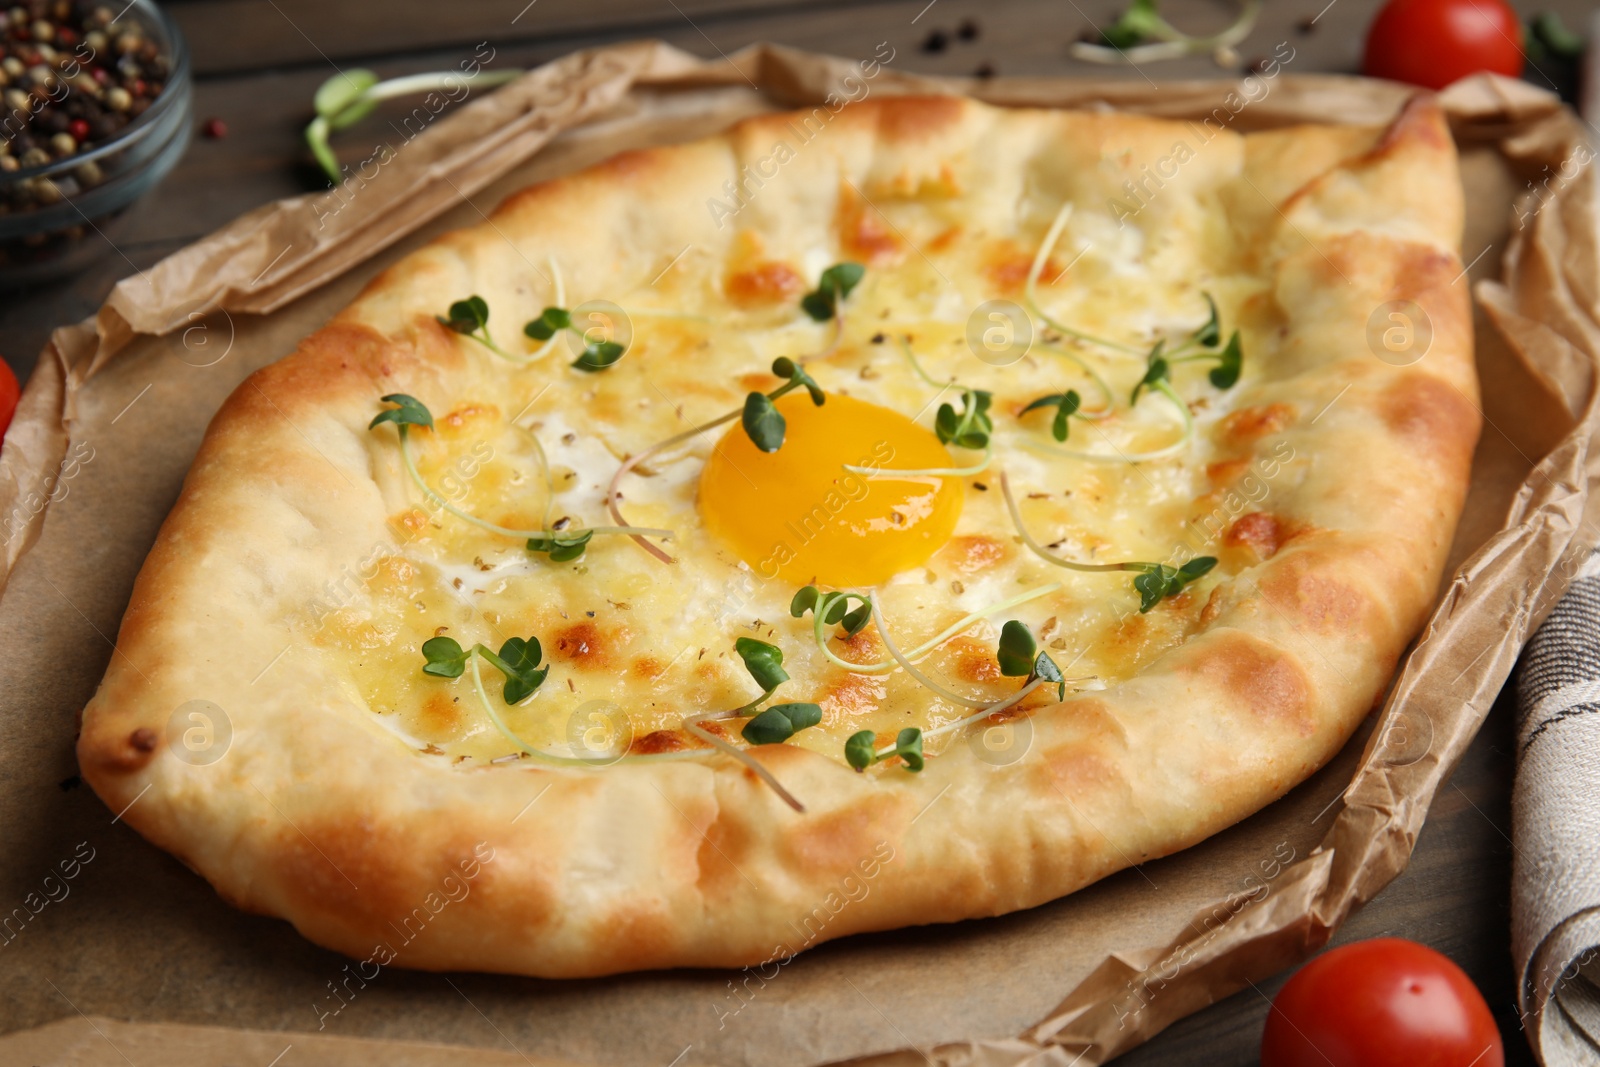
(798, 514)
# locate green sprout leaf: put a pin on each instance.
(1137, 24)
(410, 412)
(561, 547)
(763, 661)
(908, 746)
(1161, 580)
(1548, 32)
(522, 656)
(1226, 374)
(518, 660)
(804, 601)
(549, 321)
(1153, 587)
(467, 316)
(969, 427)
(1016, 651)
(1045, 667)
(853, 621)
(763, 423)
(598, 355)
(445, 657)
(1209, 334)
(1066, 405)
(780, 722)
(1157, 369)
(860, 751)
(834, 608)
(335, 96)
(833, 287)
(761, 420)
(784, 367)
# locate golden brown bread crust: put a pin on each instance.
(317, 815)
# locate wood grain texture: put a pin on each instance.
(260, 60)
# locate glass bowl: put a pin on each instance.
(55, 217)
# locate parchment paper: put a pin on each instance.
(115, 410)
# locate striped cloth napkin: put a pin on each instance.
(1555, 811)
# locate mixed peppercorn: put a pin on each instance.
(72, 74)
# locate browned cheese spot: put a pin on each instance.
(657, 741)
(972, 660)
(586, 646)
(974, 552)
(864, 233)
(1226, 472)
(441, 715)
(469, 413)
(767, 282)
(850, 697)
(1251, 424)
(1008, 268)
(1259, 532)
(648, 668)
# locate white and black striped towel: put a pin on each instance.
(1555, 808)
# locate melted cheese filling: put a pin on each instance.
(642, 644)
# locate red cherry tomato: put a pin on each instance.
(9, 391)
(1387, 1002)
(1432, 43)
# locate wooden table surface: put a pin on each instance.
(258, 62)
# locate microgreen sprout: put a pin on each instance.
(597, 355)
(1200, 345)
(1142, 35)
(1020, 657)
(518, 659)
(1155, 581)
(1066, 405)
(761, 419)
(1161, 580)
(409, 411)
(860, 753)
(470, 318)
(831, 608)
(780, 722)
(1547, 35)
(765, 664)
(773, 726)
(833, 288)
(445, 657)
(1230, 362)
(1210, 331)
(973, 423)
(968, 427)
(1157, 372)
(562, 545)
(350, 96)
